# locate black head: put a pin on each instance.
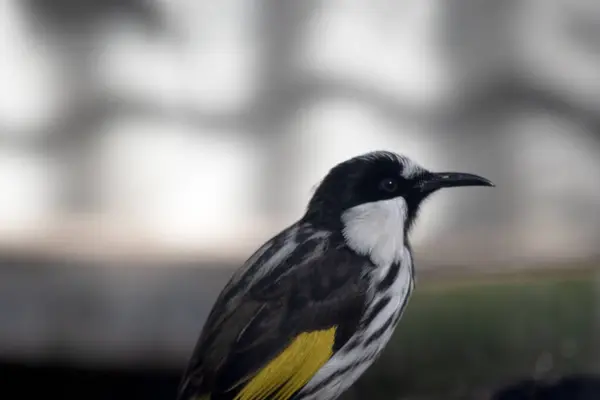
(379, 176)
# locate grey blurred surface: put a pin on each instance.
(103, 316)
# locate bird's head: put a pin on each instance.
(376, 189)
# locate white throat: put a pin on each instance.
(377, 230)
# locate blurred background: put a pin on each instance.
(148, 147)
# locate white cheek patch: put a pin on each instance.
(377, 229)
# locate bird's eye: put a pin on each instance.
(388, 185)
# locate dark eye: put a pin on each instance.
(388, 185)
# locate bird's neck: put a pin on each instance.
(377, 230)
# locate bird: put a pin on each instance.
(313, 307)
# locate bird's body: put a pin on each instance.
(312, 309)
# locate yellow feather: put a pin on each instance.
(292, 368)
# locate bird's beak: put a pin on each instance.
(440, 180)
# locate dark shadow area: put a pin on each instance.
(19, 381)
(573, 387)
(68, 382)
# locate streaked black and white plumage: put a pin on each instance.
(337, 281)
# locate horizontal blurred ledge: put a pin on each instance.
(97, 296)
(106, 242)
(141, 316)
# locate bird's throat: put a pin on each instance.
(377, 230)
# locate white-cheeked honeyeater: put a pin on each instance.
(310, 310)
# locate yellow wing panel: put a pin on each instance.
(292, 368)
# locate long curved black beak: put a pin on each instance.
(440, 180)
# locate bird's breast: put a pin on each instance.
(391, 287)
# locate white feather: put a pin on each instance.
(377, 229)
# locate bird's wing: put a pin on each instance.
(281, 331)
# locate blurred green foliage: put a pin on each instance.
(462, 341)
